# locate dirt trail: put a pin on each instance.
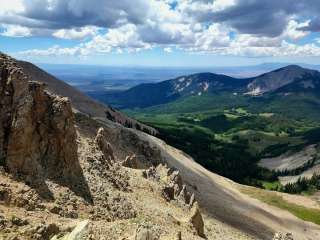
(221, 198)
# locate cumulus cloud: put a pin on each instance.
(11, 6)
(78, 13)
(233, 27)
(267, 18)
(76, 33)
(15, 31)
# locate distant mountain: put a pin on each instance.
(290, 78)
(151, 94)
(282, 77)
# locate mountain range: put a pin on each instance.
(284, 81)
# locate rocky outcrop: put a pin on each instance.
(196, 220)
(173, 189)
(104, 146)
(37, 132)
(172, 184)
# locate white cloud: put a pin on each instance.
(54, 51)
(292, 31)
(15, 31)
(121, 39)
(78, 34)
(215, 36)
(226, 27)
(11, 6)
(168, 50)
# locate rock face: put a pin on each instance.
(37, 133)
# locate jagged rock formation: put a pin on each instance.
(172, 187)
(37, 133)
(104, 146)
(197, 221)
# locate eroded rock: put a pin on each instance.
(37, 133)
(131, 162)
(196, 220)
(105, 147)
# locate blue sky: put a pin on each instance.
(194, 33)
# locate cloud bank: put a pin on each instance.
(251, 28)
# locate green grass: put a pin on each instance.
(224, 136)
(271, 185)
(304, 213)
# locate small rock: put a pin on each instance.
(78, 232)
(178, 236)
(168, 192)
(18, 221)
(55, 209)
(131, 162)
(281, 236)
(145, 234)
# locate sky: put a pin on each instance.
(197, 33)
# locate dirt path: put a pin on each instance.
(220, 198)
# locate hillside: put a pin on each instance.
(79, 100)
(65, 174)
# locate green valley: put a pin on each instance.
(229, 134)
(262, 131)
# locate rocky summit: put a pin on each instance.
(66, 174)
